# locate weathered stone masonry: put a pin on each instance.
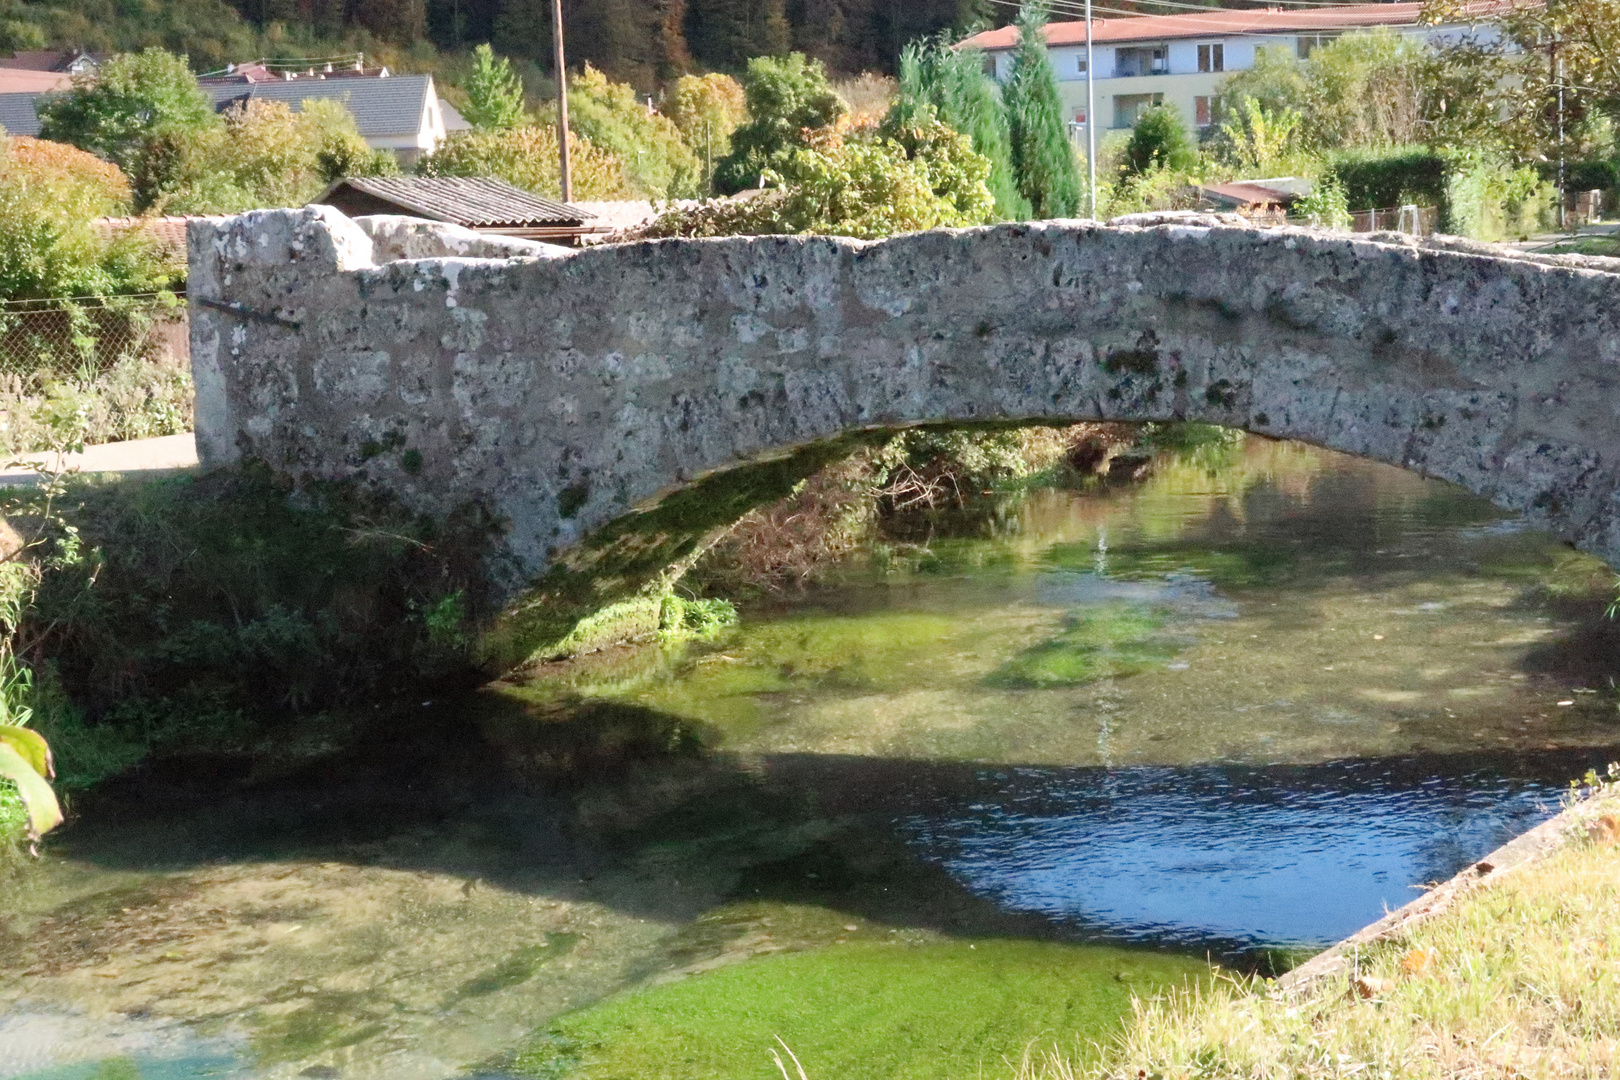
(557, 391)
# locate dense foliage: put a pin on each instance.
(787, 98)
(864, 181)
(527, 157)
(50, 196)
(706, 109)
(265, 154)
(133, 100)
(657, 161)
(949, 84)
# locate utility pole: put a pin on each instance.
(1091, 113)
(564, 173)
(1558, 74)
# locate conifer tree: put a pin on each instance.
(494, 92)
(953, 84)
(1042, 158)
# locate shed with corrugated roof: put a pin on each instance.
(481, 203)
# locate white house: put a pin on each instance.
(401, 113)
(1180, 59)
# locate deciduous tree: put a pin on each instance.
(117, 110)
(657, 161)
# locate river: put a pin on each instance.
(999, 773)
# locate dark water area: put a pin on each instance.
(1079, 736)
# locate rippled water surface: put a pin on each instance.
(1244, 705)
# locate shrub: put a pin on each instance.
(49, 247)
(68, 172)
(1327, 205)
(1373, 180)
(787, 97)
(265, 154)
(137, 398)
(1159, 140)
(867, 182)
(1488, 201)
(188, 597)
(527, 158)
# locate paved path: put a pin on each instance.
(138, 456)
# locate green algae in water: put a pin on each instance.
(731, 687)
(1105, 642)
(518, 966)
(896, 1011)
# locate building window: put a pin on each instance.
(1306, 44)
(1148, 60)
(990, 66)
(1080, 114)
(1201, 111)
(1212, 57)
(1128, 108)
(1080, 64)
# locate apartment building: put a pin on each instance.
(1180, 59)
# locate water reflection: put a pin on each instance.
(1233, 857)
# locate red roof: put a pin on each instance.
(1225, 22)
(23, 81)
(169, 233)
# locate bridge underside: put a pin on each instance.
(590, 406)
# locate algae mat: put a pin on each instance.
(900, 1011)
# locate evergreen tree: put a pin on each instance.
(494, 92)
(1042, 159)
(952, 84)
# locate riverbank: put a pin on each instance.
(1515, 978)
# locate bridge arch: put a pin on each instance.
(557, 393)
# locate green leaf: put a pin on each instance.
(31, 746)
(44, 813)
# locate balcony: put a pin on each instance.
(1149, 60)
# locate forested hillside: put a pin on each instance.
(642, 42)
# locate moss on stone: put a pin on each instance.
(611, 585)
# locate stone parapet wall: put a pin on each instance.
(557, 391)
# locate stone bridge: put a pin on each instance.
(558, 395)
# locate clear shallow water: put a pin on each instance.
(1248, 703)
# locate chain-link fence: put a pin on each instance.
(83, 338)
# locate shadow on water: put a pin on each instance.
(597, 801)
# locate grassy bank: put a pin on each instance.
(1520, 978)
